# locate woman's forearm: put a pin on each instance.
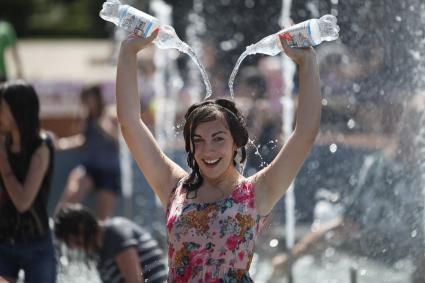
(128, 104)
(23, 193)
(15, 190)
(309, 101)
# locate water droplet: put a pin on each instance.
(351, 124)
(333, 148)
(356, 87)
(329, 252)
(273, 243)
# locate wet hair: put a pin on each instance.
(25, 108)
(74, 220)
(207, 111)
(95, 92)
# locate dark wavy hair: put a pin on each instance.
(25, 109)
(207, 111)
(74, 220)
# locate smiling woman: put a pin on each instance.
(214, 214)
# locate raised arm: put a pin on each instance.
(161, 172)
(273, 181)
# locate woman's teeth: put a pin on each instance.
(211, 161)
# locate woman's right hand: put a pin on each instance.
(134, 43)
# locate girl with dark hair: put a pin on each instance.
(214, 214)
(26, 167)
(124, 251)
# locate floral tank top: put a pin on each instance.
(212, 242)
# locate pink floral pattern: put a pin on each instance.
(212, 242)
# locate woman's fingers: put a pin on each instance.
(137, 43)
(152, 37)
(297, 54)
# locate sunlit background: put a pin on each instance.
(365, 222)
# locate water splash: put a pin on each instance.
(194, 31)
(235, 71)
(256, 148)
(198, 63)
(167, 38)
(269, 45)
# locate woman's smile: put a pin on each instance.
(211, 162)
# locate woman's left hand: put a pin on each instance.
(299, 55)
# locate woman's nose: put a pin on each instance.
(209, 147)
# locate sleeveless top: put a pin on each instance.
(212, 242)
(33, 222)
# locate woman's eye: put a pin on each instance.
(218, 139)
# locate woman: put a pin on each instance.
(125, 252)
(26, 167)
(100, 169)
(214, 213)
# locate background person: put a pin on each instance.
(125, 252)
(26, 168)
(8, 40)
(99, 170)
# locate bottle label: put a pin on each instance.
(135, 21)
(298, 35)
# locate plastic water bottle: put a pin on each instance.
(135, 21)
(142, 24)
(308, 33)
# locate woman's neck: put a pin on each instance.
(228, 179)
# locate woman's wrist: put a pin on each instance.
(308, 60)
(128, 50)
(7, 174)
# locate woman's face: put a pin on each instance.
(214, 148)
(7, 122)
(91, 106)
